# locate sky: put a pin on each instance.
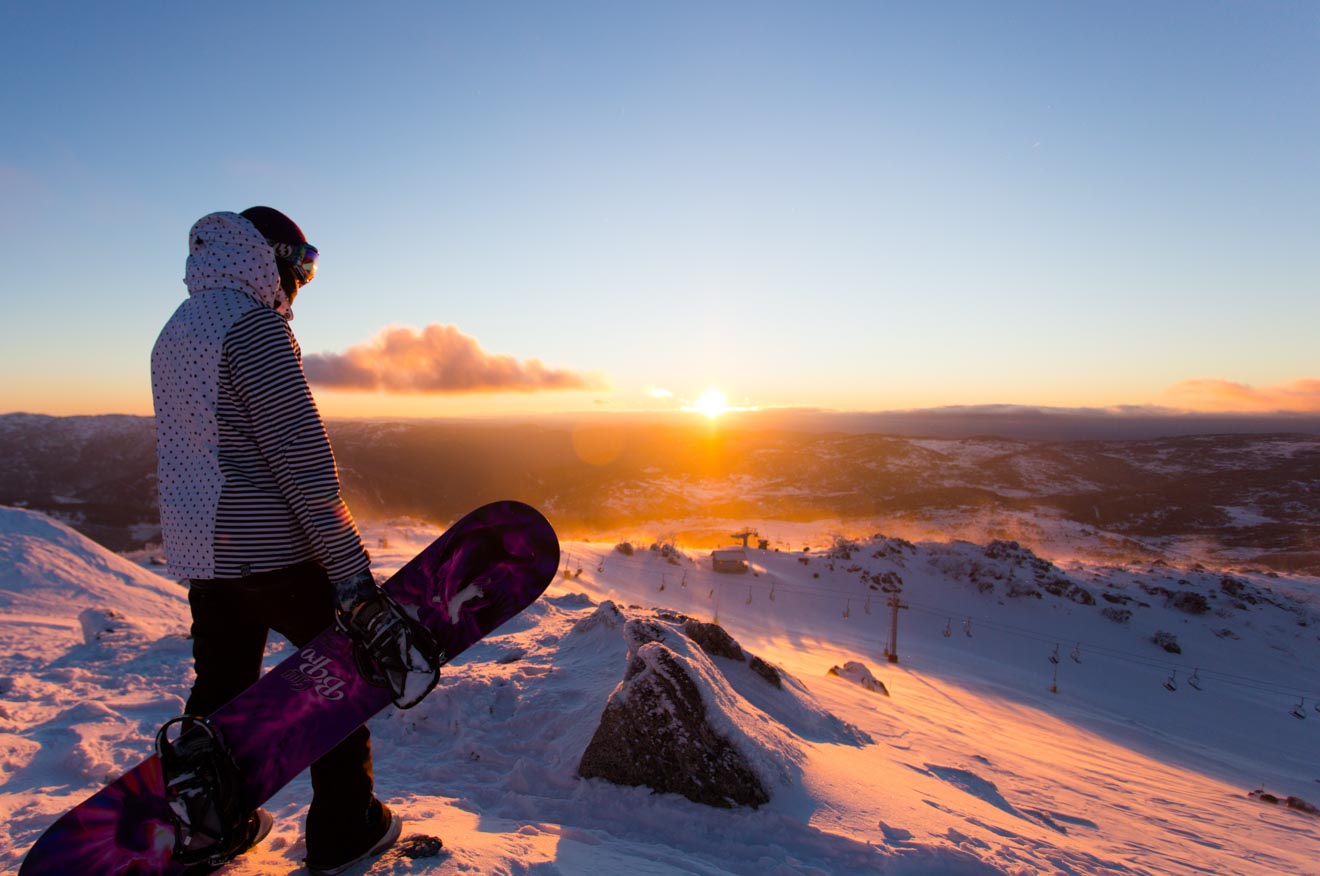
(570, 206)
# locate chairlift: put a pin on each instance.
(749, 596)
(772, 591)
(662, 583)
(1054, 658)
(711, 594)
(948, 628)
(1317, 707)
(683, 583)
(1171, 683)
(847, 610)
(867, 608)
(1195, 679)
(1076, 654)
(967, 627)
(1299, 710)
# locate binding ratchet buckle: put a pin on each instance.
(391, 649)
(202, 784)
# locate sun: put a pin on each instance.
(712, 403)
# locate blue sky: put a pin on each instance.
(851, 205)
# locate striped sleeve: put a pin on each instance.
(268, 380)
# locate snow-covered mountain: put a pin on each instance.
(985, 757)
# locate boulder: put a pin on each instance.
(655, 732)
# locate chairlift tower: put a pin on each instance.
(745, 535)
(891, 649)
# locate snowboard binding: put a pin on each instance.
(391, 649)
(202, 784)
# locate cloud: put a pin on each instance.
(438, 359)
(1213, 394)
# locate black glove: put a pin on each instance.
(352, 591)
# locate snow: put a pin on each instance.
(973, 765)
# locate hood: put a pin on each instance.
(225, 251)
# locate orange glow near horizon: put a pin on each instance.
(112, 393)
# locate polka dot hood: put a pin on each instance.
(225, 251)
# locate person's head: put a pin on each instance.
(294, 256)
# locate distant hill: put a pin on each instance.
(1244, 499)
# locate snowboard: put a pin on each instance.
(481, 572)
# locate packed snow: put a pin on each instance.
(1031, 723)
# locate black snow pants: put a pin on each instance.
(231, 620)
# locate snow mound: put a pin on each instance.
(55, 579)
(859, 674)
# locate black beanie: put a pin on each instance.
(274, 225)
(278, 228)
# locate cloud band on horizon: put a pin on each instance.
(438, 359)
(1214, 394)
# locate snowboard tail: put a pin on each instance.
(484, 570)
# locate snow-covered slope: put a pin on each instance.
(62, 583)
(973, 767)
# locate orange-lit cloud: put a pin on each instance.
(1212, 394)
(434, 360)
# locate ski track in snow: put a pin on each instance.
(974, 766)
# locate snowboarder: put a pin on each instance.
(251, 512)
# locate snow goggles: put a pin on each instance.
(301, 259)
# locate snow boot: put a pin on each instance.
(381, 831)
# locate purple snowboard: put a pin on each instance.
(484, 570)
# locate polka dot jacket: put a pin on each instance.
(246, 476)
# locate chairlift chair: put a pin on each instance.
(1054, 658)
(1299, 710)
(1195, 679)
(1171, 683)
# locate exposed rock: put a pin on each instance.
(714, 640)
(1189, 601)
(655, 732)
(640, 632)
(766, 671)
(1166, 640)
(1118, 615)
